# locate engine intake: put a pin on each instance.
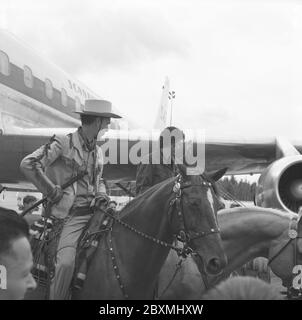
(280, 185)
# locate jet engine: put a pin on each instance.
(280, 185)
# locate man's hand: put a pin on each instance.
(56, 194)
(101, 201)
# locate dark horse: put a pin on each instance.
(128, 259)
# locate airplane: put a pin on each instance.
(37, 100)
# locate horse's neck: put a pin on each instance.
(150, 215)
(143, 258)
(247, 235)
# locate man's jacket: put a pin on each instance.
(56, 163)
(147, 175)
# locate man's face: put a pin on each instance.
(112, 205)
(103, 123)
(176, 149)
(28, 205)
(18, 262)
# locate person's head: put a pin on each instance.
(96, 115)
(171, 137)
(243, 288)
(95, 123)
(15, 256)
(112, 204)
(28, 201)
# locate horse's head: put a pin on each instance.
(286, 252)
(195, 221)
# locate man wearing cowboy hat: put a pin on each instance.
(54, 164)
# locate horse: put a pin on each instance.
(131, 254)
(247, 233)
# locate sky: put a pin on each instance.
(236, 66)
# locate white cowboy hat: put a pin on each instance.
(96, 107)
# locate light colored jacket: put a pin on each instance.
(55, 163)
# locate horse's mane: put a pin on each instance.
(139, 201)
(248, 210)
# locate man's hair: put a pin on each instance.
(87, 119)
(174, 132)
(12, 227)
(243, 288)
(28, 199)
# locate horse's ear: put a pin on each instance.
(216, 175)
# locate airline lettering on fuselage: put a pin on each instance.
(73, 86)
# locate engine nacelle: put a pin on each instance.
(280, 185)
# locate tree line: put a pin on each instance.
(239, 190)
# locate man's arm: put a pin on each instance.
(33, 166)
(101, 192)
(144, 178)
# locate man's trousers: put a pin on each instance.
(66, 253)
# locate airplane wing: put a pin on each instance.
(239, 155)
(247, 156)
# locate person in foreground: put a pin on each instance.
(56, 163)
(243, 288)
(16, 258)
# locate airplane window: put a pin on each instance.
(28, 77)
(48, 89)
(4, 64)
(64, 97)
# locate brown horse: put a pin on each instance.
(129, 258)
(247, 233)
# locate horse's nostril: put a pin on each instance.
(214, 266)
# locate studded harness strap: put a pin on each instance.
(293, 235)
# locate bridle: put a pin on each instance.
(293, 234)
(185, 236)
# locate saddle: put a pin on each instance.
(96, 228)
